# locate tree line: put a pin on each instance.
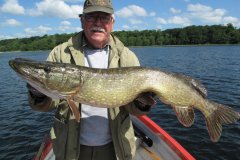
(191, 35)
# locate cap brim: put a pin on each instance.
(98, 9)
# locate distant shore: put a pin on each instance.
(25, 51)
(187, 45)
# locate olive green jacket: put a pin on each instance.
(65, 131)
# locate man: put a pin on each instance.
(102, 134)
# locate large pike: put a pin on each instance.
(119, 86)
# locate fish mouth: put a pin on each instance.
(18, 66)
(16, 63)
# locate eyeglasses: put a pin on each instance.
(93, 18)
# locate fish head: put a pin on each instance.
(56, 80)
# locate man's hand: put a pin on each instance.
(35, 93)
(37, 100)
(145, 100)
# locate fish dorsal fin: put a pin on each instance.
(199, 87)
(185, 115)
(74, 109)
(195, 83)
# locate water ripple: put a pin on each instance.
(22, 129)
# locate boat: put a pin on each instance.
(153, 143)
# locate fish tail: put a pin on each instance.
(221, 115)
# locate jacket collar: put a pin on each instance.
(76, 46)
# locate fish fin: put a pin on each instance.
(74, 109)
(221, 115)
(199, 87)
(195, 83)
(185, 115)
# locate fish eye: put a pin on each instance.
(47, 69)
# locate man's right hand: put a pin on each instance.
(34, 92)
(37, 100)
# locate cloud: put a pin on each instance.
(161, 20)
(229, 19)
(66, 27)
(56, 8)
(198, 8)
(174, 20)
(152, 14)
(175, 11)
(6, 37)
(206, 13)
(40, 30)
(11, 23)
(66, 23)
(125, 27)
(135, 21)
(12, 7)
(179, 20)
(74, 1)
(131, 11)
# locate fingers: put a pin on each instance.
(34, 92)
(147, 99)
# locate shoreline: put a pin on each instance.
(187, 45)
(24, 51)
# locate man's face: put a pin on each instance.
(97, 27)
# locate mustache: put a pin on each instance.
(97, 29)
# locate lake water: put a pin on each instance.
(217, 67)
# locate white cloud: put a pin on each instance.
(199, 13)
(65, 23)
(135, 21)
(125, 27)
(174, 10)
(12, 7)
(66, 27)
(198, 8)
(179, 20)
(131, 11)
(40, 30)
(209, 15)
(161, 20)
(205, 13)
(152, 14)
(229, 19)
(11, 23)
(56, 8)
(6, 37)
(74, 1)
(174, 20)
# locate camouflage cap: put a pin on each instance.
(98, 5)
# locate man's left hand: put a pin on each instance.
(145, 100)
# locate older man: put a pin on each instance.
(102, 134)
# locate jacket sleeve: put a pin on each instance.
(127, 59)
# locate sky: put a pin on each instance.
(27, 18)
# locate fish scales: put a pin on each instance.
(110, 88)
(119, 86)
